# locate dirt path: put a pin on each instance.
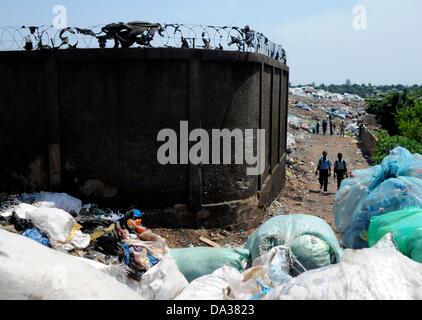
(302, 187)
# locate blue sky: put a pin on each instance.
(319, 37)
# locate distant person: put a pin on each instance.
(317, 127)
(324, 171)
(335, 127)
(340, 170)
(342, 128)
(324, 127)
(331, 127)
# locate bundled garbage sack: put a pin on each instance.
(310, 241)
(391, 186)
(32, 271)
(379, 273)
(406, 228)
(200, 261)
(209, 287)
(269, 270)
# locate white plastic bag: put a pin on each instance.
(60, 227)
(29, 270)
(209, 287)
(379, 273)
(163, 282)
(21, 210)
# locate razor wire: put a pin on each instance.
(140, 34)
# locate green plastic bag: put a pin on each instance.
(406, 227)
(310, 239)
(196, 262)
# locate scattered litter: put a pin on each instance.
(209, 242)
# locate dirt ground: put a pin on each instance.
(301, 195)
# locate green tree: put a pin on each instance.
(409, 121)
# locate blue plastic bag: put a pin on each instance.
(392, 186)
(35, 235)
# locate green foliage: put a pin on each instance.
(385, 109)
(387, 143)
(409, 122)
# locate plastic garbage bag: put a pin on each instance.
(20, 210)
(252, 284)
(277, 263)
(353, 127)
(406, 228)
(209, 287)
(201, 261)
(60, 226)
(35, 235)
(291, 143)
(54, 200)
(163, 282)
(376, 191)
(379, 273)
(351, 195)
(32, 271)
(311, 241)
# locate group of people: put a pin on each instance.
(324, 171)
(331, 124)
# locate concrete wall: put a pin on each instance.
(86, 122)
(368, 140)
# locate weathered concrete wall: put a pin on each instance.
(86, 122)
(368, 140)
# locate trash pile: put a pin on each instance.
(311, 93)
(54, 247)
(106, 246)
(394, 185)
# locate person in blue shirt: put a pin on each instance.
(324, 171)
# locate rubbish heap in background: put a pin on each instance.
(311, 93)
(392, 186)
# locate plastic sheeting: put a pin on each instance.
(311, 241)
(60, 227)
(379, 273)
(391, 186)
(32, 271)
(209, 287)
(54, 200)
(200, 261)
(406, 227)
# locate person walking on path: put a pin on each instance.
(324, 127)
(324, 171)
(331, 126)
(340, 170)
(317, 127)
(342, 128)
